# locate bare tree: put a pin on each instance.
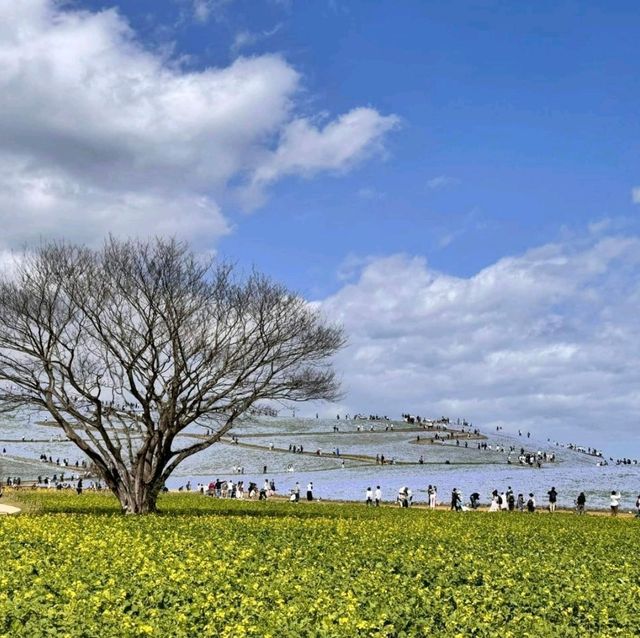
(130, 348)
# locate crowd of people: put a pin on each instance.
(63, 462)
(56, 482)
(498, 501)
(508, 501)
(233, 489)
(592, 451)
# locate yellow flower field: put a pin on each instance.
(74, 567)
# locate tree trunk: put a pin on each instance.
(137, 499)
(143, 503)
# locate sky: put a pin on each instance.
(458, 183)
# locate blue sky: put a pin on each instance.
(386, 157)
(528, 112)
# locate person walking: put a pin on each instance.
(553, 497)
(581, 502)
(509, 493)
(369, 497)
(455, 500)
(378, 496)
(296, 491)
(615, 502)
(310, 491)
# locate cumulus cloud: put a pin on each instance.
(98, 133)
(548, 340)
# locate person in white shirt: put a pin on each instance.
(433, 495)
(369, 497)
(310, 491)
(615, 502)
(378, 496)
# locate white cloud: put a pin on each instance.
(203, 10)
(98, 133)
(52, 205)
(441, 181)
(352, 265)
(244, 39)
(9, 263)
(548, 340)
(306, 149)
(635, 195)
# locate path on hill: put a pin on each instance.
(363, 458)
(401, 430)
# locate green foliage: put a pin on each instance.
(206, 567)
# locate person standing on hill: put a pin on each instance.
(369, 497)
(378, 496)
(553, 497)
(310, 491)
(580, 502)
(433, 495)
(520, 503)
(638, 507)
(296, 491)
(531, 503)
(615, 502)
